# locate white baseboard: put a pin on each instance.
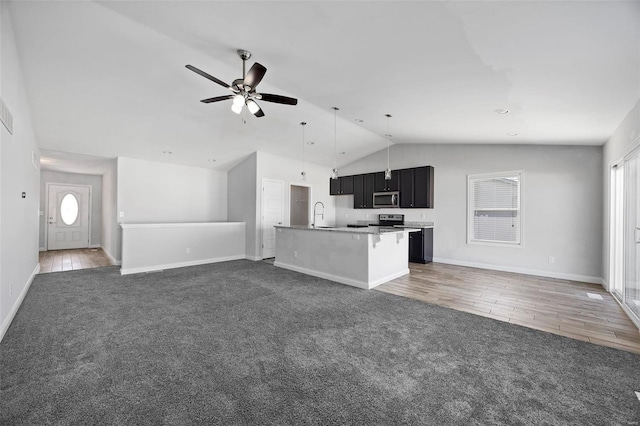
(94, 246)
(14, 309)
(348, 281)
(127, 271)
(536, 272)
(254, 258)
(111, 258)
(42, 249)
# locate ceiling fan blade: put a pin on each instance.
(208, 76)
(278, 99)
(254, 76)
(217, 99)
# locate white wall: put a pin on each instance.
(562, 204)
(242, 199)
(153, 192)
(18, 216)
(77, 179)
(111, 235)
(152, 247)
(623, 140)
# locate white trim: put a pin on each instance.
(175, 225)
(179, 264)
(14, 309)
(526, 271)
(42, 249)
(348, 281)
(92, 246)
(520, 209)
(111, 258)
(254, 258)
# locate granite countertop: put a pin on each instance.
(374, 230)
(418, 224)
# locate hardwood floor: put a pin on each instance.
(68, 260)
(556, 306)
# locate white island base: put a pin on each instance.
(356, 258)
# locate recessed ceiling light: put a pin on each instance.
(512, 134)
(167, 152)
(310, 143)
(212, 160)
(501, 111)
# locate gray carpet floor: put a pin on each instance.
(247, 343)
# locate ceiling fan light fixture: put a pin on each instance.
(238, 100)
(253, 107)
(236, 108)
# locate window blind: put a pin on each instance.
(494, 208)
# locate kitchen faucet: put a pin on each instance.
(315, 214)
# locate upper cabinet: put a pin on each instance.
(341, 186)
(414, 185)
(423, 187)
(416, 188)
(383, 185)
(363, 191)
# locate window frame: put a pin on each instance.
(470, 215)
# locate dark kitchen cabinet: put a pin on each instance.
(423, 187)
(341, 186)
(383, 185)
(363, 188)
(421, 246)
(416, 187)
(406, 188)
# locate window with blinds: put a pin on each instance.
(494, 208)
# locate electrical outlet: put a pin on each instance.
(187, 250)
(121, 214)
(295, 254)
(366, 216)
(552, 259)
(423, 216)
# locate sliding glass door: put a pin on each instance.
(632, 233)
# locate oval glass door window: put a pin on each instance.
(69, 209)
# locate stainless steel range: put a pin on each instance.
(390, 219)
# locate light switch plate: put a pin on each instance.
(121, 214)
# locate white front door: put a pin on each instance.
(272, 214)
(68, 217)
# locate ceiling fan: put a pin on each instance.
(244, 89)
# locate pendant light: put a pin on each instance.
(334, 172)
(304, 174)
(387, 172)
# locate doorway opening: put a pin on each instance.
(299, 205)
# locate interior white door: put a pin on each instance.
(272, 214)
(68, 217)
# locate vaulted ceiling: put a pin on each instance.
(109, 78)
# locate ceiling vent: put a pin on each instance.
(6, 117)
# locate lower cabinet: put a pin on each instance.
(421, 246)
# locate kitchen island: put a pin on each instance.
(359, 257)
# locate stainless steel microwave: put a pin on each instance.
(386, 200)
